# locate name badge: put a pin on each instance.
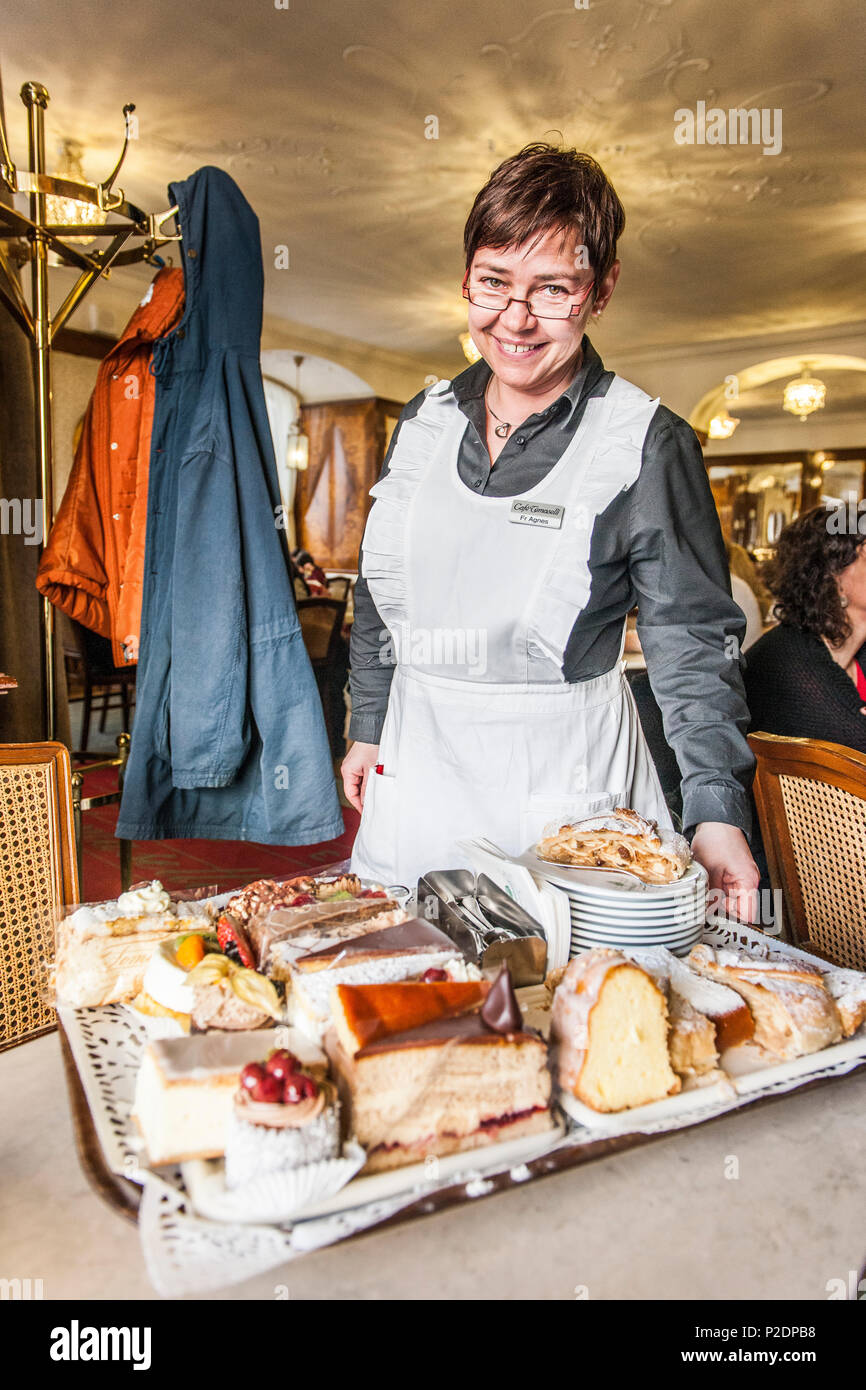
(537, 514)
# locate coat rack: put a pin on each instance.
(33, 240)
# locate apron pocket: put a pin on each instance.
(547, 811)
(374, 853)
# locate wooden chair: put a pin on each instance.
(88, 803)
(104, 686)
(321, 622)
(38, 874)
(811, 800)
(339, 586)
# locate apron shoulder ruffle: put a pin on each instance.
(384, 546)
(609, 464)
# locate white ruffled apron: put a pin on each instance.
(483, 735)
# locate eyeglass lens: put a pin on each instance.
(540, 304)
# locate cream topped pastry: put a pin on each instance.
(103, 949)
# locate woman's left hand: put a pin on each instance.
(724, 852)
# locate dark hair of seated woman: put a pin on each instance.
(807, 677)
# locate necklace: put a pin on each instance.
(500, 430)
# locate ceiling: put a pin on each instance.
(319, 112)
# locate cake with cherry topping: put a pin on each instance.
(185, 1088)
(283, 1118)
(442, 1068)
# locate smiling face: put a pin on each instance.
(528, 353)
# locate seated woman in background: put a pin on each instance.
(743, 567)
(805, 678)
(748, 592)
(312, 573)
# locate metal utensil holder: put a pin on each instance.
(499, 933)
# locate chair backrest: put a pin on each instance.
(301, 587)
(339, 585)
(811, 800)
(37, 876)
(321, 622)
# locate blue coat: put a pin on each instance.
(229, 739)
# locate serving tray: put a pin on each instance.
(186, 1253)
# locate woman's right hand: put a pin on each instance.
(355, 768)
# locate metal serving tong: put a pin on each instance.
(488, 926)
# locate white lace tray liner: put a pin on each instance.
(188, 1254)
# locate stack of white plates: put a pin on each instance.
(611, 911)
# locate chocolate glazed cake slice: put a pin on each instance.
(407, 951)
(463, 1078)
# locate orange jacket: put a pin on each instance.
(93, 560)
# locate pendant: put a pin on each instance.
(501, 430)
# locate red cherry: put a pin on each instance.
(281, 1064)
(432, 977)
(301, 900)
(311, 1089)
(268, 1089)
(372, 893)
(251, 1075)
(293, 1088)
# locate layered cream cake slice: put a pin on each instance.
(103, 949)
(442, 1068)
(405, 951)
(186, 1087)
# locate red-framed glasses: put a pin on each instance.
(540, 304)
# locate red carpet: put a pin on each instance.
(191, 863)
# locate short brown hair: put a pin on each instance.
(540, 189)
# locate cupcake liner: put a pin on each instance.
(272, 1197)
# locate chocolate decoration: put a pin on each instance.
(501, 1011)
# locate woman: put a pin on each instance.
(523, 509)
(743, 568)
(312, 574)
(807, 677)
